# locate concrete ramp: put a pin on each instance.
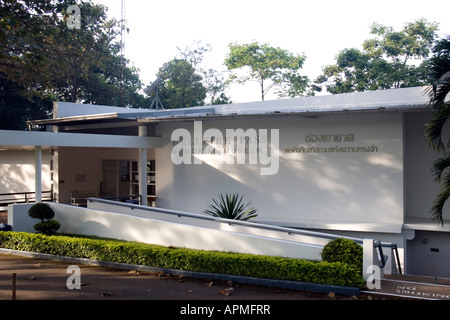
(110, 219)
(130, 222)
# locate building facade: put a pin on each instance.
(351, 164)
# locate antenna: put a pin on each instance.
(154, 87)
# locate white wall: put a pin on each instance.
(17, 171)
(82, 221)
(360, 191)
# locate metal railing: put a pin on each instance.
(379, 246)
(131, 199)
(23, 197)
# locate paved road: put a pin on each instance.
(38, 279)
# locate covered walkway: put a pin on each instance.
(39, 141)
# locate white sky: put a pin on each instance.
(319, 29)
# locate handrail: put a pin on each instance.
(181, 214)
(130, 197)
(27, 197)
(379, 245)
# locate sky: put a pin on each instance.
(319, 29)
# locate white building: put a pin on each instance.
(351, 164)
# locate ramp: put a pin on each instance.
(130, 222)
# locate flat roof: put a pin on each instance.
(402, 99)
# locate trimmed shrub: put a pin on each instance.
(43, 212)
(331, 273)
(344, 251)
(47, 227)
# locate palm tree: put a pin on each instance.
(231, 207)
(440, 109)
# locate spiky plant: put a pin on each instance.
(231, 206)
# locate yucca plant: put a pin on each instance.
(231, 207)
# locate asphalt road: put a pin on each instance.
(38, 279)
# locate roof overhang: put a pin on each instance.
(277, 114)
(10, 139)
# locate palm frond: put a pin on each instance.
(433, 129)
(439, 166)
(438, 206)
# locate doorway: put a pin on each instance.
(121, 179)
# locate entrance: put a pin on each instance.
(121, 178)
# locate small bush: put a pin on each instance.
(345, 251)
(43, 212)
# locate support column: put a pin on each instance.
(38, 173)
(143, 158)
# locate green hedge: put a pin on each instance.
(185, 259)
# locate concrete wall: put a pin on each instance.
(17, 171)
(359, 191)
(77, 220)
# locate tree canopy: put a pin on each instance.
(180, 86)
(183, 82)
(43, 58)
(392, 59)
(271, 67)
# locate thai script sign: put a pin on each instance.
(328, 139)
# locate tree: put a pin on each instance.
(440, 110)
(183, 82)
(270, 67)
(213, 80)
(180, 86)
(42, 59)
(393, 59)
